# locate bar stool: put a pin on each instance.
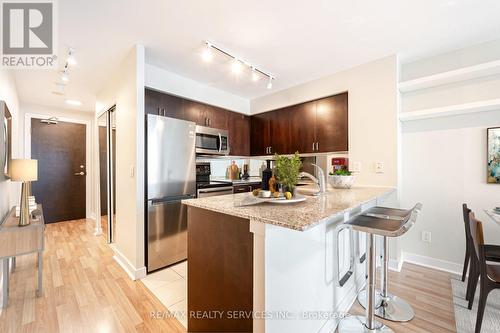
(373, 223)
(388, 306)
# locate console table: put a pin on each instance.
(17, 241)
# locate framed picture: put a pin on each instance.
(7, 138)
(493, 138)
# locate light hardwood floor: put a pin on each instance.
(429, 293)
(86, 291)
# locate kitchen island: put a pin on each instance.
(275, 268)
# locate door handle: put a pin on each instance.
(81, 173)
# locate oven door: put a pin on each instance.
(212, 192)
(211, 141)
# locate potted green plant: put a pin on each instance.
(287, 171)
(341, 179)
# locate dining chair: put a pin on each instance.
(490, 274)
(492, 253)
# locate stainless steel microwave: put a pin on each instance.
(211, 141)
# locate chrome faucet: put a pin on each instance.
(320, 181)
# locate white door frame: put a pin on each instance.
(88, 151)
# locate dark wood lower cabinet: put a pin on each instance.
(220, 270)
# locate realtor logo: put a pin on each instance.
(28, 34)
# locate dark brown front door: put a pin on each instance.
(60, 151)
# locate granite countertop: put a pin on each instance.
(297, 216)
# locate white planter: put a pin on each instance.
(341, 181)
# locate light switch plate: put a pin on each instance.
(379, 167)
(426, 236)
(356, 167)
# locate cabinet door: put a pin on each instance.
(216, 117)
(194, 111)
(260, 134)
(152, 101)
(331, 123)
(280, 131)
(302, 127)
(172, 106)
(239, 134)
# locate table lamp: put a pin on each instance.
(24, 171)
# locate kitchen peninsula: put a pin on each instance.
(275, 268)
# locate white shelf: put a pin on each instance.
(451, 110)
(456, 75)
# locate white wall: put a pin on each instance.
(162, 80)
(373, 123)
(64, 115)
(444, 159)
(8, 190)
(126, 90)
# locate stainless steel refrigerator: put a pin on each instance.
(171, 177)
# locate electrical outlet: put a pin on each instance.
(356, 167)
(379, 167)
(426, 236)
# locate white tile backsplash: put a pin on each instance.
(219, 166)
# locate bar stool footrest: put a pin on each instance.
(392, 308)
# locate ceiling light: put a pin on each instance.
(207, 53)
(73, 102)
(236, 66)
(270, 83)
(255, 75)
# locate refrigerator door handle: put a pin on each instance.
(155, 202)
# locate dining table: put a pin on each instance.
(493, 215)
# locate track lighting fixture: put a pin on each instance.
(237, 63)
(207, 53)
(270, 83)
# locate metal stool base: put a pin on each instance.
(393, 308)
(356, 324)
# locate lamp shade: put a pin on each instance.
(24, 170)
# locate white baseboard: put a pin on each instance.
(128, 267)
(439, 264)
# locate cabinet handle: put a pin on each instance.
(313, 147)
(317, 146)
(159, 111)
(270, 150)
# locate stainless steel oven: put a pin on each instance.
(211, 141)
(214, 191)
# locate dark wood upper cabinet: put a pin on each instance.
(152, 101)
(216, 117)
(172, 106)
(162, 104)
(318, 126)
(280, 131)
(332, 124)
(195, 112)
(260, 134)
(239, 134)
(302, 127)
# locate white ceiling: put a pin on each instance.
(297, 41)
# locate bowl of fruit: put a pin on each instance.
(341, 179)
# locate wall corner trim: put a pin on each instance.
(127, 266)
